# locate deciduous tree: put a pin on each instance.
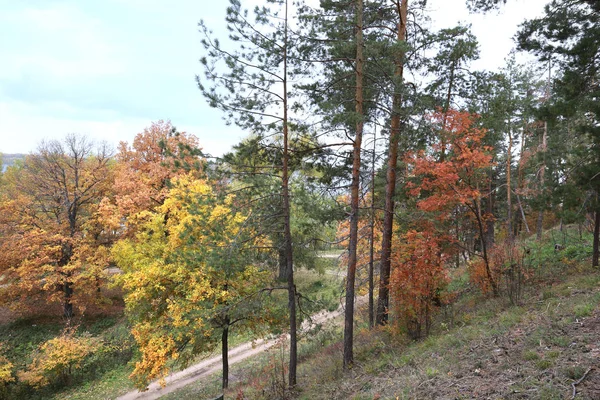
(188, 277)
(47, 254)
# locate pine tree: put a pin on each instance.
(250, 83)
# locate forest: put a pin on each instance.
(395, 223)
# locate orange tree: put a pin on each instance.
(143, 171)
(442, 186)
(419, 277)
(48, 254)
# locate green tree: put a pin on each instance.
(250, 83)
(569, 35)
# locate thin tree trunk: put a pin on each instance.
(523, 214)
(484, 248)
(489, 228)
(354, 194)
(224, 352)
(390, 188)
(519, 222)
(446, 108)
(286, 212)
(509, 217)
(596, 251)
(372, 239)
(540, 220)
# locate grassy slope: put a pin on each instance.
(104, 374)
(496, 351)
(486, 348)
(482, 347)
(533, 351)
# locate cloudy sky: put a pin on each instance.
(108, 68)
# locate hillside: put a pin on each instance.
(481, 348)
(9, 159)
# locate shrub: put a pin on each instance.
(58, 358)
(6, 368)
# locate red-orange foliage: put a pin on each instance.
(456, 179)
(418, 278)
(442, 186)
(144, 169)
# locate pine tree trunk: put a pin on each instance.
(286, 212)
(509, 216)
(354, 194)
(484, 248)
(282, 264)
(490, 228)
(446, 108)
(540, 220)
(372, 240)
(390, 188)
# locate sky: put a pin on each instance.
(107, 69)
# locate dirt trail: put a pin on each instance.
(178, 380)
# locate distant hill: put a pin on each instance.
(9, 159)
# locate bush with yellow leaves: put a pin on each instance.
(6, 369)
(58, 358)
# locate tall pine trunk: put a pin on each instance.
(354, 193)
(540, 220)
(489, 222)
(509, 216)
(286, 212)
(596, 245)
(390, 189)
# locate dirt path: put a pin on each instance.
(178, 380)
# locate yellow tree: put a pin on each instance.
(188, 277)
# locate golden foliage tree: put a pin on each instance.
(188, 277)
(58, 358)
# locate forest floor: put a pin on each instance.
(548, 347)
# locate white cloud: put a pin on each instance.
(57, 41)
(23, 126)
(107, 69)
